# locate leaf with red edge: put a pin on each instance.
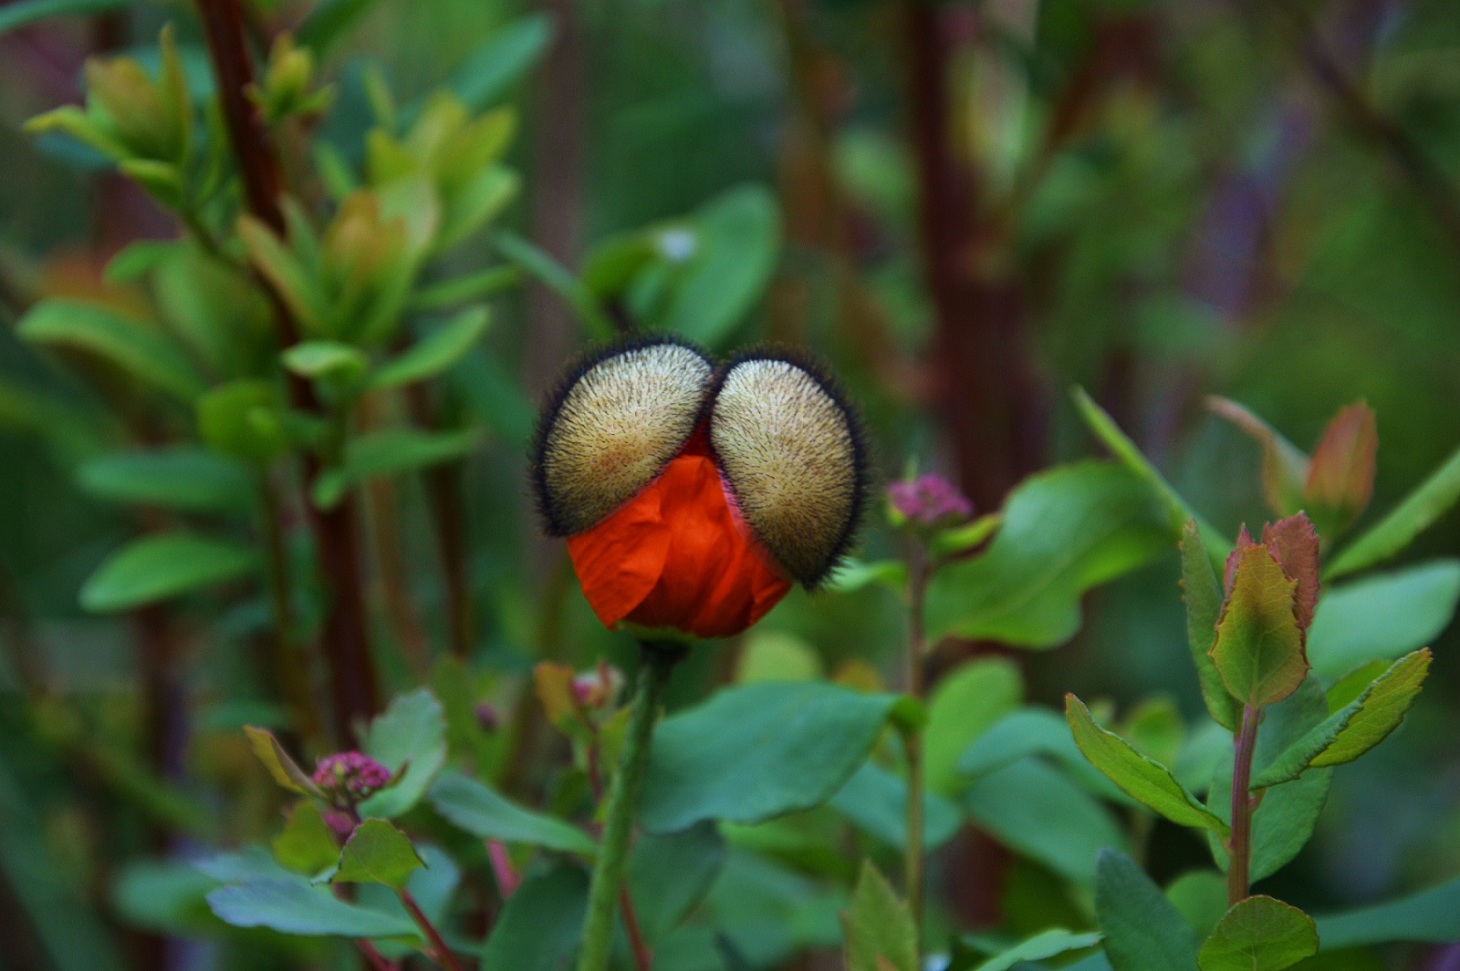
(1244, 542)
(1341, 477)
(1259, 648)
(1295, 545)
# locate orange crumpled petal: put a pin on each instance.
(677, 556)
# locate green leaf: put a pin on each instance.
(540, 926)
(243, 419)
(18, 15)
(285, 770)
(965, 702)
(297, 908)
(1046, 944)
(1284, 465)
(1143, 779)
(508, 53)
(757, 751)
(1357, 727)
(1143, 931)
(1201, 896)
(433, 354)
(464, 289)
(670, 875)
(961, 539)
(1430, 916)
(1382, 616)
(323, 360)
(1126, 452)
(1259, 648)
(852, 575)
(879, 930)
(480, 811)
(875, 801)
(161, 566)
(305, 845)
(130, 345)
(1341, 479)
(540, 265)
(1030, 731)
(328, 23)
(1040, 813)
(1203, 596)
(176, 478)
(1416, 513)
(136, 260)
(411, 735)
(391, 452)
(1259, 934)
(377, 852)
(1064, 531)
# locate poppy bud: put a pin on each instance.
(692, 497)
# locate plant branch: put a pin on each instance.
(291, 666)
(1239, 848)
(439, 951)
(920, 570)
(608, 871)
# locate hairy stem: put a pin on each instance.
(1239, 849)
(912, 740)
(613, 852)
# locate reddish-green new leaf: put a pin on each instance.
(878, 928)
(1341, 478)
(284, 770)
(1259, 934)
(1259, 649)
(1203, 606)
(1284, 466)
(377, 852)
(1148, 781)
(1355, 728)
(1295, 545)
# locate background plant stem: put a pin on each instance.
(1240, 848)
(613, 851)
(912, 739)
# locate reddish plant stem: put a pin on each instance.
(439, 951)
(373, 956)
(1239, 847)
(344, 635)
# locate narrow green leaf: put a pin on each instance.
(377, 852)
(961, 539)
(325, 360)
(285, 770)
(411, 735)
(1143, 779)
(1203, 596)
(1259, 934)
(18, 15)
(130, 345)
(434, 353)
(539, 264)
(879, 930)
(297, 908)
(465, 289)
(1357, 727)
(1416, 513)
(329, 22)
(1382, 616)
(1143, 931)
(244, 419)
(391, 452)
(852, 575)
(1284, 465)
(305, 845)
(508, 52)
(1259, 648)
(479, 810)
(1430, 916)
(1046, 944)
(161, 566)
(184, 478)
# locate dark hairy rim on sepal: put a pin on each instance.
(621, 412)
(795, 454)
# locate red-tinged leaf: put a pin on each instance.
(1244, 543)
(1341, 477)
(1295, 545)
(1284, 465)
(1259, 648)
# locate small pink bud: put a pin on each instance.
(597, 688)
(930, 501)
(487, 717)
(350, 776)
(340, 824)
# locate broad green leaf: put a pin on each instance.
(1143, 779)
(1201, 896)
(183, 477)
(392, 452)
(1143, 931)
(669, 876)
(17, 15)
(168, 896)
(772, 655)
(1431, 916)
(508, 52)
(1416, 513)
(737, 244)
(757, 751)
(1259, 649)
(852, 575)
(305, 845)
(281, 766)
(324, 360)
(1064, 531)
(297, 908)
(1038, 812)
(965, 702)
(879, 930)
(1125, 451)
(540, 265)
(411, 735)
(1046, 944)
(1382, 616)
(1357, 727)
(875, 801)
(161, 566)
(480, 811)
(434, 353)
(540, 926)
(377, 852)
(130, 345)
(244, 419)
(1259, 934)
(1035, 730)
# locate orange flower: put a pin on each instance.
(693, 498)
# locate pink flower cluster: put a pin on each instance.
(353, 775)
(930, 500)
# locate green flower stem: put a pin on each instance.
(912, 739)
(1239, 848)
(608, 871)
